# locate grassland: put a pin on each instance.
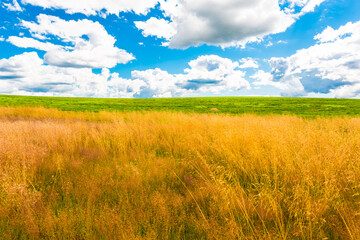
(306, 107)
(171, 175)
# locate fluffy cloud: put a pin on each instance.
(223, 23)
(248, 63)
(213, 73)
(27, 74)
(91, 45)
(157, 27)
(14, 6)
(332, 66)
(94, 7)
(159, 83)
(189, 23)
(207, 74)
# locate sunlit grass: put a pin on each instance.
(161, 175)
(305, 107)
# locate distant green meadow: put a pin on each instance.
(306, 107)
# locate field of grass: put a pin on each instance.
(173, 175)
(307, 107)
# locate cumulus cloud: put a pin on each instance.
(248, 63)
(94, 7)
(223, 23)
(28, 74)
(332, 66)
(211, 70)
(189, 23)
(207, 74)
(157, 27)
(159, 83)
(291, 88)
(91, 45)
(14, 6)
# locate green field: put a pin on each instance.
(307, 107)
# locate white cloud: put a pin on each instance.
(207, 74)
(248, 63)
(157, 27)
(223, 23)
(299, 7)
(95, 7)
(24, 42)
(2, 39)
(332, 66)
(215, 74)
(27, 74)
(14, 6)
(306, 5)
(189, 23)
(91, 45)
(290, 87)
(331, 35)
(158, 83)
(311, 5)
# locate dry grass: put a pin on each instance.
(66, 175)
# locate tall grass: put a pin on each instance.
(158, 175)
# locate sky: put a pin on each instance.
(180, 48)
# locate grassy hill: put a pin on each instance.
(307, 107)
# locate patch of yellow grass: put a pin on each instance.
(165, 175)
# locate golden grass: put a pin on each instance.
(158, 175)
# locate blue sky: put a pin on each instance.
(180, 48)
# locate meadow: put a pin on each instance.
(176, 175)
(305, 107)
